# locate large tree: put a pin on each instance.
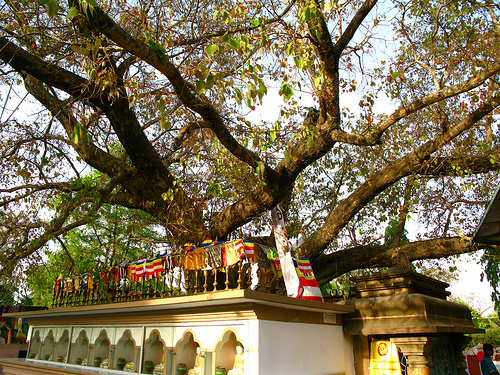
(385, 111)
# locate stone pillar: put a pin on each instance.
(417, 350)
(459, 342)
(361, 347)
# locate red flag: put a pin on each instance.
(116, 275)
(104, 277)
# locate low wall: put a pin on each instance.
(12, 367)
(13, 350)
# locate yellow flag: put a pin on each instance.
(384, 358)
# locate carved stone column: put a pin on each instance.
(459, 342)
(418, 350)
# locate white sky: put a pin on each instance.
(469, 287)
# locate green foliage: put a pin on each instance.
(339, 287)
(206, 114)
(491, 324)
(114, 235)
(14, 293)
(390, 231)
(6, 294)
(490, 262)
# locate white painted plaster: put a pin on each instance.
(300, 348)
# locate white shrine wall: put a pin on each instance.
(300, 348)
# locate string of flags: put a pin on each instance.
(210, 255)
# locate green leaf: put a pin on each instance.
(248, 98)
(200, 87)
(310, 141)
(92, 2)
(164, 124)
(210, 82)
(52, 8)
(299, 63)
(211, 49)
(73, 12)
(255, 22)
(286, 91)
(288, 157)
(81, 50)
(234, 43)
(261, 91)
(260, 169)
(238, 96)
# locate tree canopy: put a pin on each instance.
(353, 115)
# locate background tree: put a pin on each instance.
(481, 319)
(114, 235)
(390, 111)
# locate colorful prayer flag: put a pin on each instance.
(309, 288)
(139, 270)
(150, 268)
(195, 259)
(188, 246)
(232, 252)
(213, 256)
(123, 271)
(207, 242)
(169, 262)
(131, 272)
(158, 266)
(251, 253)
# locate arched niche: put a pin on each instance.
(101, 346)
(125, 349)
(154, 348)
(225, 349)
(186, 349)
(35, 344)
(62, 345)
(81, 352)
(48, 347)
